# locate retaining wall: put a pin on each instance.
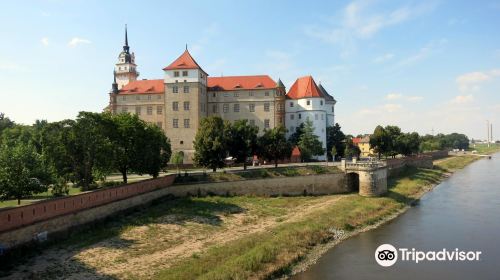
(40, 221)
(396, 165)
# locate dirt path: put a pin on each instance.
(143, 250)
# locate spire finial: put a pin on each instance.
(186, 46)
(126, 37)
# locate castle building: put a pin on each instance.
(186, 94)
(308, 101)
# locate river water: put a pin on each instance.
(462, 212)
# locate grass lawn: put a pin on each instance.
(484, 149)
(257, 174)
(35, 198)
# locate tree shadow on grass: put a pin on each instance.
(165, 210)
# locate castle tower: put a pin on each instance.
(113, 95)
(185, 102)
(279, 102)
(125, 68)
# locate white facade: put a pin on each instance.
(185, 75)
(297, 111)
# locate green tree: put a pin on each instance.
(380, 141)
(137, 146)
(393, 133)
(335, 138)
(5, 122)
(295, 137)
(309, 143)
(22, 172)
(273, 145)
(408, 143)
(351, 150)
(91, 148)
(241, 140)
(178, 159)
(210, 143)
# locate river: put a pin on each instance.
(462, 212)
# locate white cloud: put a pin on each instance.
(383, 58)
(392, 96)
(391, 108)
(76, 41)
(424, 52)
(462, 99)
(361, 20)
(414, 98)
(45, 41)
(471, 81)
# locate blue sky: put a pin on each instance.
(423, 65)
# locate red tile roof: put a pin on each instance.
(304, 87)
(185, 61)
(241, 82)
(356, 140)
(144, 87)
(295, 151)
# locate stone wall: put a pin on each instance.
(396, 165)
(11, 218)
(43, 220)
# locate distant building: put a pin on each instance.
(187, 94)
(363, 144)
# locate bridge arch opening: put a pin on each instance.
(353, 181)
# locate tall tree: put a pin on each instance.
(335, 138)
(295, 137)
(210, 143)
(241, 140)
(393, 132)
(91, 148)
(273, 145)
(380, 141)
(5, 122)
(351, 150)
(22, 172)
(309, 143)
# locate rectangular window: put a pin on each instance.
(184, 73)
(186, 123)
(124, 109)
(225, 108)
(186, 105)
(252, 122)
(322, 117)
(138, 97)
(175, 89)
(300, 116)
(186, 89)
(124, 98)
(332, 109)
(175, 123)
(149, 97)
(226, 94)
(308, 102)
(214, 108)
(316, 116)
(266, 107)
(291, 104)
(176, 73)
(138, 110)
(321, 102)
(266, 123)
(159, 96)
(236, 108)
(150, 110)
(213, 94)
(175, 106)
(292, 116)
(159, 110)
(236, 94)
(251, 107)
(250, 93)
(267, 93)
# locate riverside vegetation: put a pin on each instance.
(225, 237)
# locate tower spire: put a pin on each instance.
(126, 47)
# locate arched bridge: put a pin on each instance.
(367, 177)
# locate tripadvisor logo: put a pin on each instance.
(387, 255)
